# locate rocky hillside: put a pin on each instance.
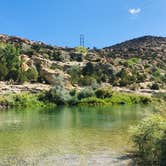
(138, 63)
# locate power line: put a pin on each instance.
(82, 40)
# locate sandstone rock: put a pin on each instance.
(51, 75)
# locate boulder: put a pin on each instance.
(50, 76)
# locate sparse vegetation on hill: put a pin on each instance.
(135, 64)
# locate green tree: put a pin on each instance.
(3, 72)
(9, 62)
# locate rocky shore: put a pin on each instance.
(6, 88)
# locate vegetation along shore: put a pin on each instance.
(34, 75)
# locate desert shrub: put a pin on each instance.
(104, 92)
(27, 50)
(73, 92)
(73, 100)
(36, 47)
(75, 73)
(149, 137)
(57, 56)
(86, 93)
(155, 86)
(134, 87)
(160, 95)
(124, 77)
(32, 74)
(76, 57)
(132, 61)
(87, 81)
(89, 69)
(81, 50)
(59, 95)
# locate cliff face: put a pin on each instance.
(135, 63)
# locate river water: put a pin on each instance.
(70, 136)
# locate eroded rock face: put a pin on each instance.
(52, 62)
(27, 62)
(51, 75)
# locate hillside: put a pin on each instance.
(138, 63)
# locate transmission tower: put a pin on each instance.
(82, 40)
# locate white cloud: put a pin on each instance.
(134, 11)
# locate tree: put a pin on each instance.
(3, 72)
(9, 62)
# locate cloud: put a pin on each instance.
(134, 11)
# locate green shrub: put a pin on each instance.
(9, 63)
(155, 86)
(149, 138)
(87, 81)
(73, 100)
(81, 50)
(22, 100)
(126, 98)
(59, 95)
(104, 92)
(75, 73)
(86, 93)
(132, 61)
(32, 74)
(3, 72)
(73, 92)
(92, 101)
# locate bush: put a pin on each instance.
(132, 61)
(155, 86)
(92, 101)
(126, 98)
(104, 92)
(59, 95)
(81, 50)
(32, 74)
(3, 72)
(149, 138)
(86, 93)
(87, 81)
(23, 100)
(75, 73)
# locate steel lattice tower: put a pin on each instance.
(82, 40)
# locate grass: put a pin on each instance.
(117, 98)
(28, 100)
(92, 101)
(23, 100)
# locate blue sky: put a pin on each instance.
(103, 22)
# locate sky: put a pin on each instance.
(103, 22)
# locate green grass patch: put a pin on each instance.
(22, 100)
(92, 101)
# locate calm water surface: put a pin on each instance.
(67, 136)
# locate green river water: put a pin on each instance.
(70, 136)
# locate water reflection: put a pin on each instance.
(27, 136)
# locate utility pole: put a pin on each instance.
(82, 40)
